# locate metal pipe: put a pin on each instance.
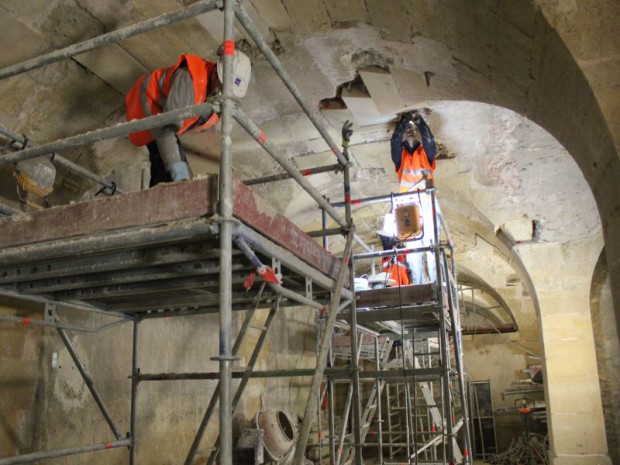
(77, 305)
(304, 430)
(62, 161)
(355, 379)
(260, 42)
(35, 456)
(89, 382)
(260, 137)
(378, 198)
(267, 247)
(325, 232)
(444, 339)
(296, 297)
(378, 387)
(283, 176)
(216, 392)
(226, 227)
(196, 9)
(247, 374)
(324, 220)
(135, 371)
(119, 130)
(49, 324)
(458, 349)
(386, 253)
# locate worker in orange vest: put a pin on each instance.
(395, 266)
(413, 152)
(191, 81)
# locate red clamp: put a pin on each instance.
(249, 281)
(229, 47)
(268, 274)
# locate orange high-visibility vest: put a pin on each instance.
(148, 95)
(396, 269)
(411, 166)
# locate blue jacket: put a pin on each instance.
(397, 143)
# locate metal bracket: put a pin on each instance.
(308, 287)
(50, 314)
(276, 265)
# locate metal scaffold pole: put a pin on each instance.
(355, 379)
(226, 226)
(135, 371)
(304, 430)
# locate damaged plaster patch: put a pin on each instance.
(69, 23)
(339, 51)
(69, 387)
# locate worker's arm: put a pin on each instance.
(428, 140)
(181, 95)
(397, 142)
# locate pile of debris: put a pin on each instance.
(530, 449)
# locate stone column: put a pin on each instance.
(561, 276)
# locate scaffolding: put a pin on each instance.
(211, 250)
(416, 408)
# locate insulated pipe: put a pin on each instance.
(260, 42)
(260, 137)
(62, 161)
(119, 130)
(226, 227)
(111, 37)
(36, 456)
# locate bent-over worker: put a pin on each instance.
(191, 81)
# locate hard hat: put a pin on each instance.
(389, 226)
(242, 71)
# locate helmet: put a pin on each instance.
(388, 228)
(242, 71)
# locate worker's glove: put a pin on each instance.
(411, 116)
(347, 132)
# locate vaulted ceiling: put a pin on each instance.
(520, 95)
